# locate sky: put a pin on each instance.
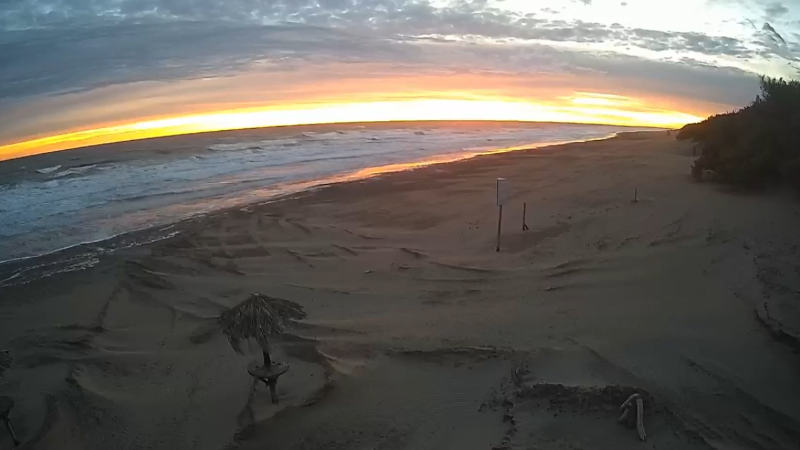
(80, 72)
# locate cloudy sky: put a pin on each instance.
(74, 72)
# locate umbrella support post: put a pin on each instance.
(269, 376)
(272, 385)
(273, 389)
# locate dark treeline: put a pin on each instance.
(757, 145)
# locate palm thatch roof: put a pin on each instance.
(258, 318)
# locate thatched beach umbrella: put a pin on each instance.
(258, 318)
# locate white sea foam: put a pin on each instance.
(79, 204)
(47, 170)
(75, 170)
(267, 144)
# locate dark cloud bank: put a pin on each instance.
(57, 46)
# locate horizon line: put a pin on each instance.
(373, 122)
(330, 114)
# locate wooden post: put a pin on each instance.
(524, 215)
(499, 224)
(503, 192)
(635, 195)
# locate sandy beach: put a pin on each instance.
(419, 335)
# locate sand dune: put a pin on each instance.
(419, 334)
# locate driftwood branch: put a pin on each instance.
(627, 418)
(640, 419)
(6, 403)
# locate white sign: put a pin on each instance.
(503, 191)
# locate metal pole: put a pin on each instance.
(499, 223)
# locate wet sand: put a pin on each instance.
(419, 334)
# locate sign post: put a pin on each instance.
(503, 192)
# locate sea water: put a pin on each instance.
(64, 206)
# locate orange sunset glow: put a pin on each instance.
(583, 107)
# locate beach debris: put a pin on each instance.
(640, 419)
(636, 195)
(627, 416)
(415, 253)
(6, 403)
(624, 416)
(708, 175)
(259, 318)
(558, 399)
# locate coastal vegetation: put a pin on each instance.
(756, 146)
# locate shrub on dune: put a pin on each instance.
(757, 145)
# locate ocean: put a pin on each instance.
(61, 205)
